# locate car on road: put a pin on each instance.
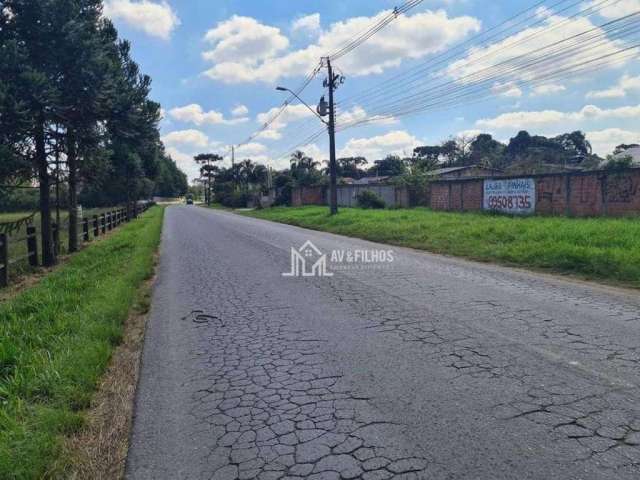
(189, 200)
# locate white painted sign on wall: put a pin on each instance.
(515, 196)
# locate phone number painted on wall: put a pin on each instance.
(517, 196)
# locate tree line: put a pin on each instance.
(75, 109)
(523, 154)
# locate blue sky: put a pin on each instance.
(215, 66)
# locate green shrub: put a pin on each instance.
(368, 199)
(235, 199)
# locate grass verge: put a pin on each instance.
(56, 340)
(19, 248)
(605, 249)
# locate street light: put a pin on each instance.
(284, 89)
(331, 127)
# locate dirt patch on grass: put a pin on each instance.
(100, 449)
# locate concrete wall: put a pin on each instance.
(348, 195)
(580, 194)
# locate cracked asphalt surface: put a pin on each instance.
(426, 368)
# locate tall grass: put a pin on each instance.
(18, 246)
(56, 340)
(595, 248)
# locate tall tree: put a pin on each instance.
(391, 166)
(208, 171)
(304, 169)
(487, 151)
(83, 59)
(29, 38)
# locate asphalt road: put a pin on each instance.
(426, 367)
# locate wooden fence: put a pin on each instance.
(89, 227)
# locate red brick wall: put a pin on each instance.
(576, 194)
(440, 196)
(623, 194)
(473, 194)
(586, 196)
(307, 196)
(551, 195)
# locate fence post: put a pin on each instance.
(32, 246)
(108, 220)
(96, 229)
(85, 229)
(103, 222)
(4, 260)
(56, 237)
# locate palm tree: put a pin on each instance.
(303, 164)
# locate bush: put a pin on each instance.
(19, 200)
(618, 163)
(235, 200)
(368, 199)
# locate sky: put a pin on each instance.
(215, 65)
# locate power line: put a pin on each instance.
(512, 65)
(473, 97)
(406, 81)
(342, 51)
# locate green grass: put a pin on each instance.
(596, 248)
(56, 340)
(18, 246)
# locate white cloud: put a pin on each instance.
(509, 90)
(154, 18)
(552, 118)
(195, 114)
(250, 150)
(245, 50)
(185, 162)
(605, 141)
(472, 133)
(240, 111)
(357, 113)
(548, 89)
(616, 9)
(243, 38)
(398, 142)
(309, 24)
(626, 84)
(293, 113)
(191, 138)
(554, 29)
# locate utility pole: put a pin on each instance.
(208, 182)
(333, 171)
(331, 83)
(233, 164)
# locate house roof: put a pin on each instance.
(370, 180)
(633, 152)
(444, 171)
